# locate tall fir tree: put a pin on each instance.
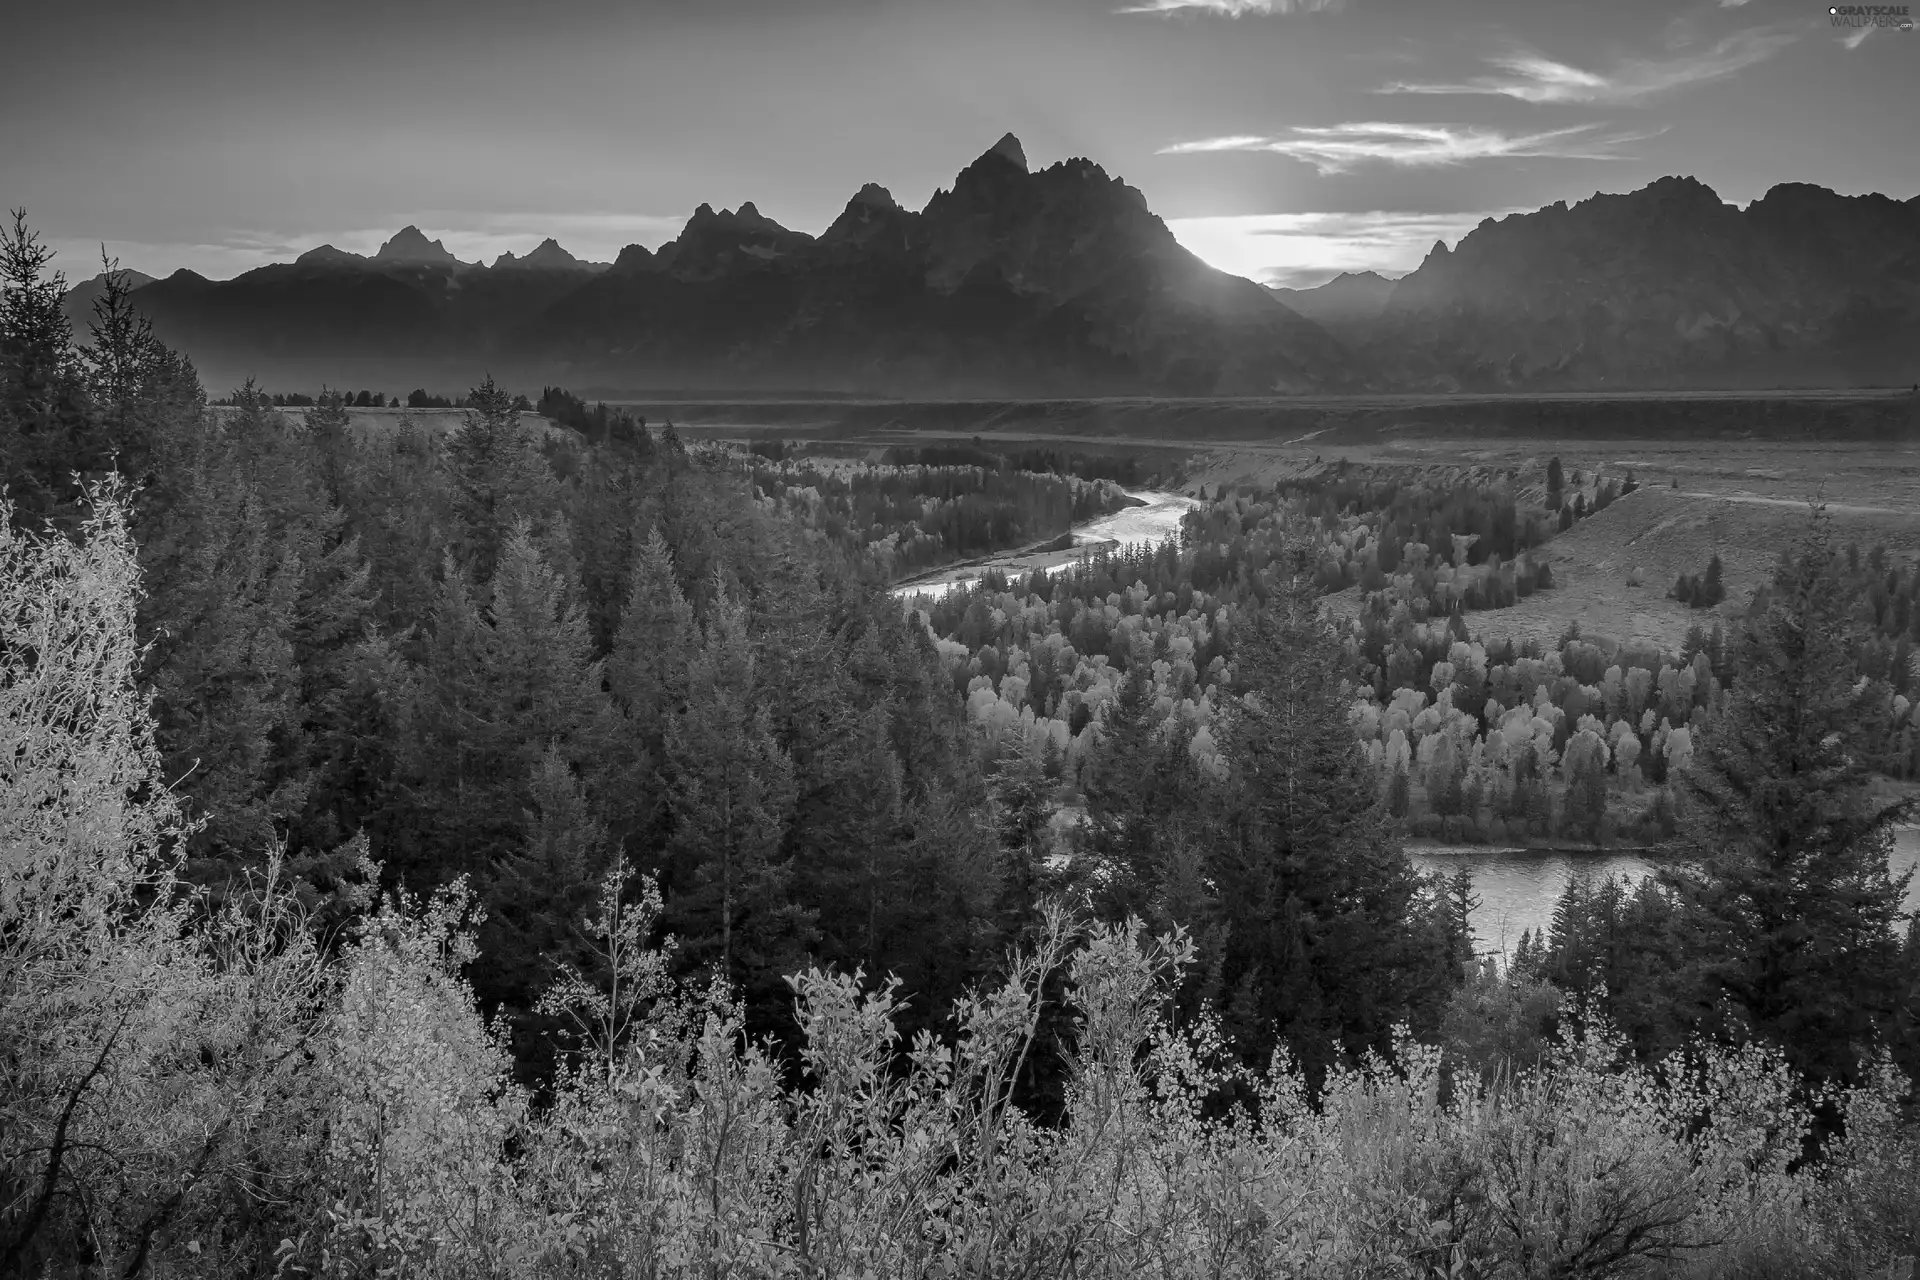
(43, 420)
(499, 477)
(1322, 952)
(502, 685)
(731, 795)
(1135, 784)
(1785, 891)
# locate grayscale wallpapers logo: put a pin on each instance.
(1897, 16)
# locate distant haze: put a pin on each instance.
(1288, 143)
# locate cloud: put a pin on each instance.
(1338, 148)
(1232, 8)
(1300, 250)
(1732, 4)
(1856, 37)
(1534, 77)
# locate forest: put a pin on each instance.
(496, 851)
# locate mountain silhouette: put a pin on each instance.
(410, 244)
(1665, 287)
(547, 256)
(1062, 282)
(78, 301)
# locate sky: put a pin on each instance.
(1285, 140)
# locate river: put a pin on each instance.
(1518, 887)
(1155, 520)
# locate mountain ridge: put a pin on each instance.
(1061, 281)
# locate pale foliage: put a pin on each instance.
(151, 1047)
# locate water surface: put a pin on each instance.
(1518, 887)
(1154, 522)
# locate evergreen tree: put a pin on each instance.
(499, 477)
(330, 428)
(1459, 904)
(504, 685)
(1131, 794)
(222, 608)
(1711, 590)
(1556, 483)
(655, 640)
(1315, 894)
(1786, 887)
(139, 389)
(1021, 805)
(730, 789)
(537, 890)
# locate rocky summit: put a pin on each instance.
(1665, 287)
(1061, 281)
(410, 244)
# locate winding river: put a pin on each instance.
(1155, 520)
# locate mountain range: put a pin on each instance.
(1062, 282)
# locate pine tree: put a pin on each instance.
(1128, 794)
(222, 607)
(1711, 590)
(499, 477)
(1556, 482)
(1460, 903)
(40, 410)
(1021, 795)
(654, 642)
(537, 889)
(1787, 887)
(501, 685)
(1314, 892)
(330, 428)
(730, 792)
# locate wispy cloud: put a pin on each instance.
(1534, 77)
(1856, 37)
(1232, 8)
(1300, 250)
(1338, 148)
(1732, 4)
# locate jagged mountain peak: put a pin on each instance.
(1010, 150)
(635, 258)
(871, 213)
(410, 244)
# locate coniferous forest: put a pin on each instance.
(545, 847)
